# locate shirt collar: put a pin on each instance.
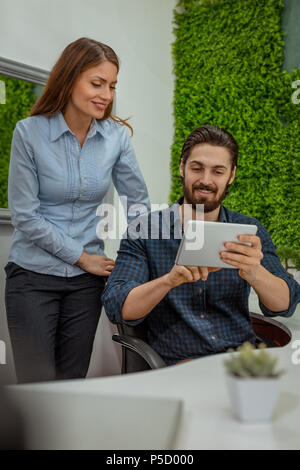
(58, 127)
(222, 215)
(98, 126)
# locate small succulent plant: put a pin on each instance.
(252, 363)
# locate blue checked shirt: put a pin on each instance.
(55, 187)
(194, 319)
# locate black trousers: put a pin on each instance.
(52, 322)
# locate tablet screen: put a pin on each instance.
(203, 241)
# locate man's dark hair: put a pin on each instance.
(210, 135)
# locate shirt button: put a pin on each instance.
(213, 338)
(202, 316)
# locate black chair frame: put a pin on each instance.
(138, 356)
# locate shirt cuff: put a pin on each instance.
(71, 253)
(113, 299)
(293, 300)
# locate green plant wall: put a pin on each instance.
(19, 100)
(228, 57)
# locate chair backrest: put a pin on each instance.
(132, 361)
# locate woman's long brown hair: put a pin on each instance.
(75, 59)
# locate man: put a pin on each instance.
(191, 311)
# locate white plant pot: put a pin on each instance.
(253, 399)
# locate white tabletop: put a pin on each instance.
(207, 421)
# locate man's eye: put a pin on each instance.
(112, 87)
(219, 173)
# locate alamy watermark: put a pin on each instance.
(295, 95)
(163, 222)
(296, 354)
(2, 92)
(2, 352)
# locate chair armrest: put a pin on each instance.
(143, 349)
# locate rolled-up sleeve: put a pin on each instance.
(128, 179)
(272, 263)
(130, 271)
(24, 204)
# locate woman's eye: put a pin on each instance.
(96, 84)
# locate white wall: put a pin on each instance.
(7, 371)
(35, 32)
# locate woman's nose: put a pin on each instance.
(106, 93)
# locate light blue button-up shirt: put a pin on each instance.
(55, 187)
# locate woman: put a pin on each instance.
(62, 160)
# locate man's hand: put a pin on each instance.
(246, 258)
(180, 274)
(96, 264)
(143, 298)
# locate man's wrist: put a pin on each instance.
(260, 276)
(167, 282)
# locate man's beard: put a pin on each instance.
(209, 206)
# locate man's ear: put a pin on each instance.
(181, 169)
(232, 175)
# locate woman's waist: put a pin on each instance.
(30, 256)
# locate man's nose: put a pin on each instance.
(206, 178)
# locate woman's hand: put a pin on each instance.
(96, 264)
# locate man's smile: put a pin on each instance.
(203, 192)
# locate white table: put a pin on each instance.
(207, 421)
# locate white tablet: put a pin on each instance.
(203, 241)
